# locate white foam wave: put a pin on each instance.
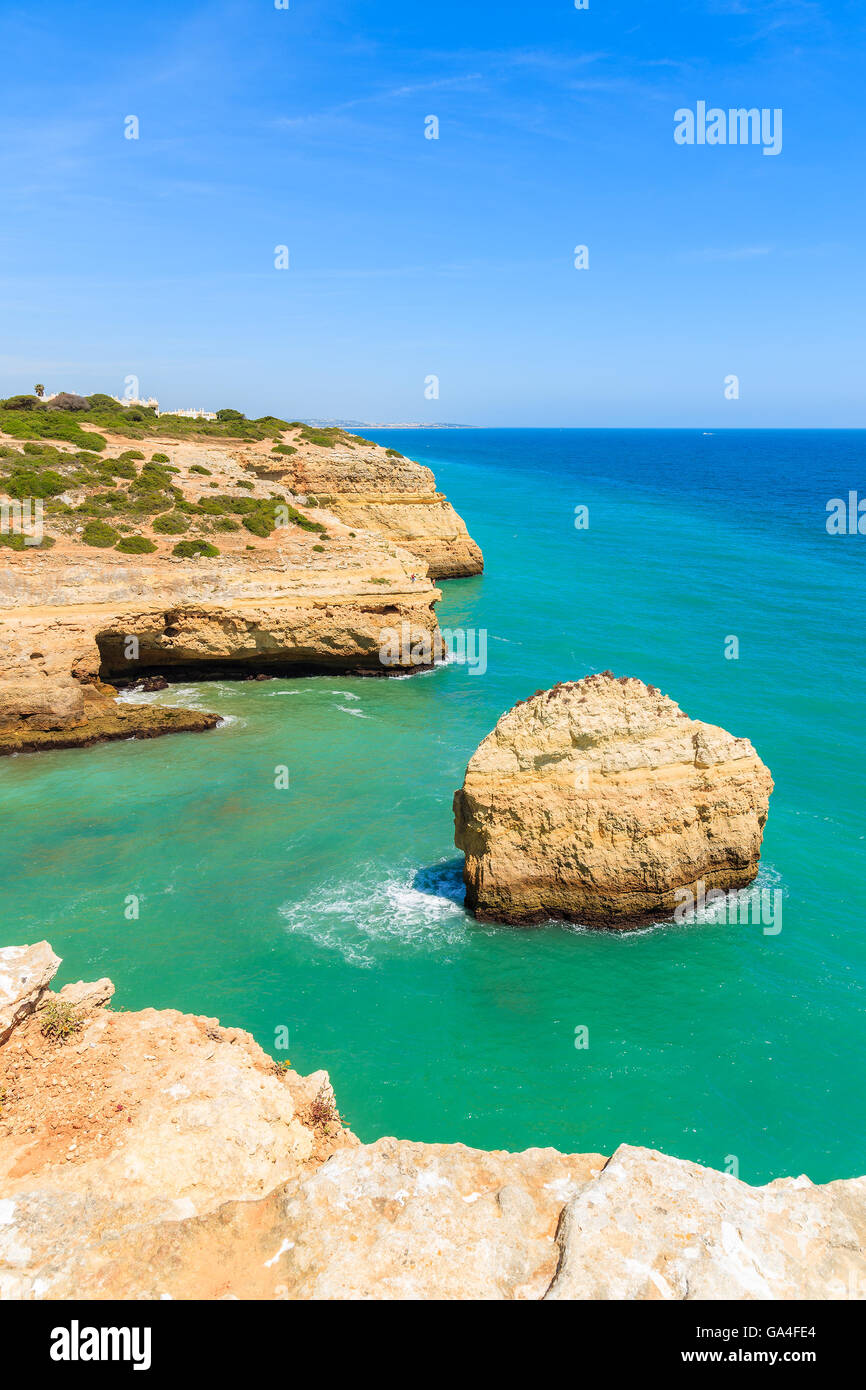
(368, 917)
(182, 696)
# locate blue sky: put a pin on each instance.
(410, 257)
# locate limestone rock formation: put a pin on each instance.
(25, 974)
(598, 800)
(160, 1155)
(706, 1235)
(320, 593)
(376, 489)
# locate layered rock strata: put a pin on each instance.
(378, 490)
(599, 800)
(159, 1155)
(314, 594)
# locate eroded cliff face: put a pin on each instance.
(309, 593)
(158, 1154)
(598, 800)
(368, 486)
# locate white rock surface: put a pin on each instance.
(25, 973)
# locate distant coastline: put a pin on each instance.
(388, 425)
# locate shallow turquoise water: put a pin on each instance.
(333, 908)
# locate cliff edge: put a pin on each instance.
(196, 555)
(161, 1155)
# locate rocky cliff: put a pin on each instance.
(201, 560)
(159, 1155)
(377, 489)
(598, 800)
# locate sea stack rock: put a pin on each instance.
(597, 800)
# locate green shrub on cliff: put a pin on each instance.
(259, 524)
(199, 468)
(324, 438)
(49, 424)
(28, 482)
(154, 475)
(171, 524)
(211, 506)
(100, 534)
(238, 505)
(297, 518)
(284, 449)
(190, 550)
(271, 422)
(149, 503)
(15, 540)
(160, 458)
(118, 468)
(67, 400)
(135, 545)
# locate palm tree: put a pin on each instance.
(39, 389)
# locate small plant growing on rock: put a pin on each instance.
(59, 1021)
(323, 1110)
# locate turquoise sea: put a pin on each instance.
(333, 908)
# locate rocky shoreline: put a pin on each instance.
(122, 722)
(305, 582)
(162, 1155)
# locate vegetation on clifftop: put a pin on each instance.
(29, 417)
(59, 455)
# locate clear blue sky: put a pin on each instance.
(261, 127)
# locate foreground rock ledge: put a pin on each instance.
(598, 800)
(159, 1155)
